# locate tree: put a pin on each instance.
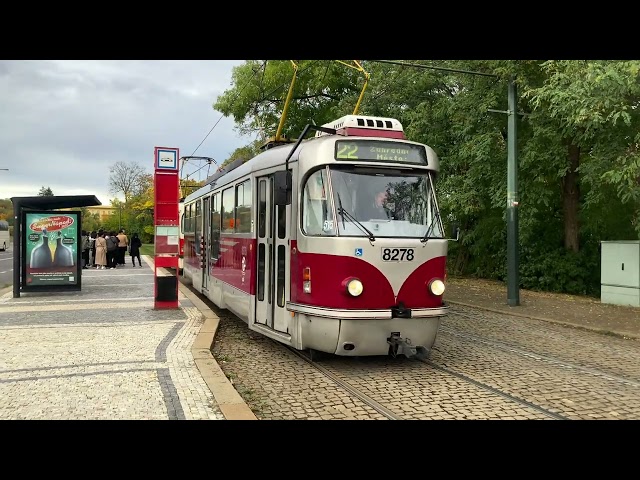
(246, 153)
(591, 107)
(578, 148)
(323, 91)
(141, 208)
(45, 192)
(126, 178)
(90, 221)
(188, 186)
(6, 210)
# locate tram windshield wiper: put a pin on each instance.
(430, 228)
(344, 213)
(341, 210)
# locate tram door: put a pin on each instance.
(206, 239)
(273, 251)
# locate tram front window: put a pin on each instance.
(389, 203)
(317, 214)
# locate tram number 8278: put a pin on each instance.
(330, 244)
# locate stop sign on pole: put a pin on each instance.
(166, 186)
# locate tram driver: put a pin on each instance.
(375, 206)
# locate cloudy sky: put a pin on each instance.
(64, 122)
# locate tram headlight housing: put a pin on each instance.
(306, 280)
(354, 287)
(436, 287)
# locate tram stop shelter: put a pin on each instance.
(34, 221)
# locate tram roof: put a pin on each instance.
(267, 159)
(277, 156)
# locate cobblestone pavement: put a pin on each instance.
(485, 365)
(101, 353)
(575, 310)
(105, 353)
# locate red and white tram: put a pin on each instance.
(332, 244)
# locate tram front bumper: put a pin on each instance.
(381, 337)
(364, 333)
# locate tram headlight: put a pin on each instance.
(354, 287)
(436, 287)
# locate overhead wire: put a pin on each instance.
(264, 97)
(285, 84)
(263, 68)
(219, 119)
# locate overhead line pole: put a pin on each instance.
(513, 282)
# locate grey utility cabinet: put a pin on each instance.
(620, 272)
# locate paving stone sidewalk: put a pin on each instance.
(106, 353)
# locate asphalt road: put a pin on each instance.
(6, 267)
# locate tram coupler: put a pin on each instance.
(403, 346)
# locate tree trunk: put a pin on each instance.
(571, 199)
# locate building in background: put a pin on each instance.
(103, 211)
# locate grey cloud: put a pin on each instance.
(64, 122)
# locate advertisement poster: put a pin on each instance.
(51, 253)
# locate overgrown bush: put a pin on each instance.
(561, 271)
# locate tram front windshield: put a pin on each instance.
(386, 202)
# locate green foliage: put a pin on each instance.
(485, 240)
(577, 106)
(188, 186)
(561, 270)
(90, 221)
(323, 90)
(45, 192)
(6, 211)
(245, 153)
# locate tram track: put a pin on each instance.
(377, 406)
(364, 398)
(550, 359)
(495, 391)
(411, 389)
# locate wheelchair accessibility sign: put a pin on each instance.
(358, 252)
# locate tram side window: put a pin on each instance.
(228, 201)
(317, 216)
(187, 216)
(215, 226)
(262, 208)
(197, 224)
(243, 207)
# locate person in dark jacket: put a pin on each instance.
(374, 207)
(135, 245)
(112, 250)
(86, 246)
(92, 240)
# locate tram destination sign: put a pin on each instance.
(377, 151)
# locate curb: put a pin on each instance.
(6, 290)
(231, 404)
(557, 322)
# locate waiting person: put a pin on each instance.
(123, 242)
(85, 245)
(92, 248)
(134, 251)
(101, 252)
(112, 250)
